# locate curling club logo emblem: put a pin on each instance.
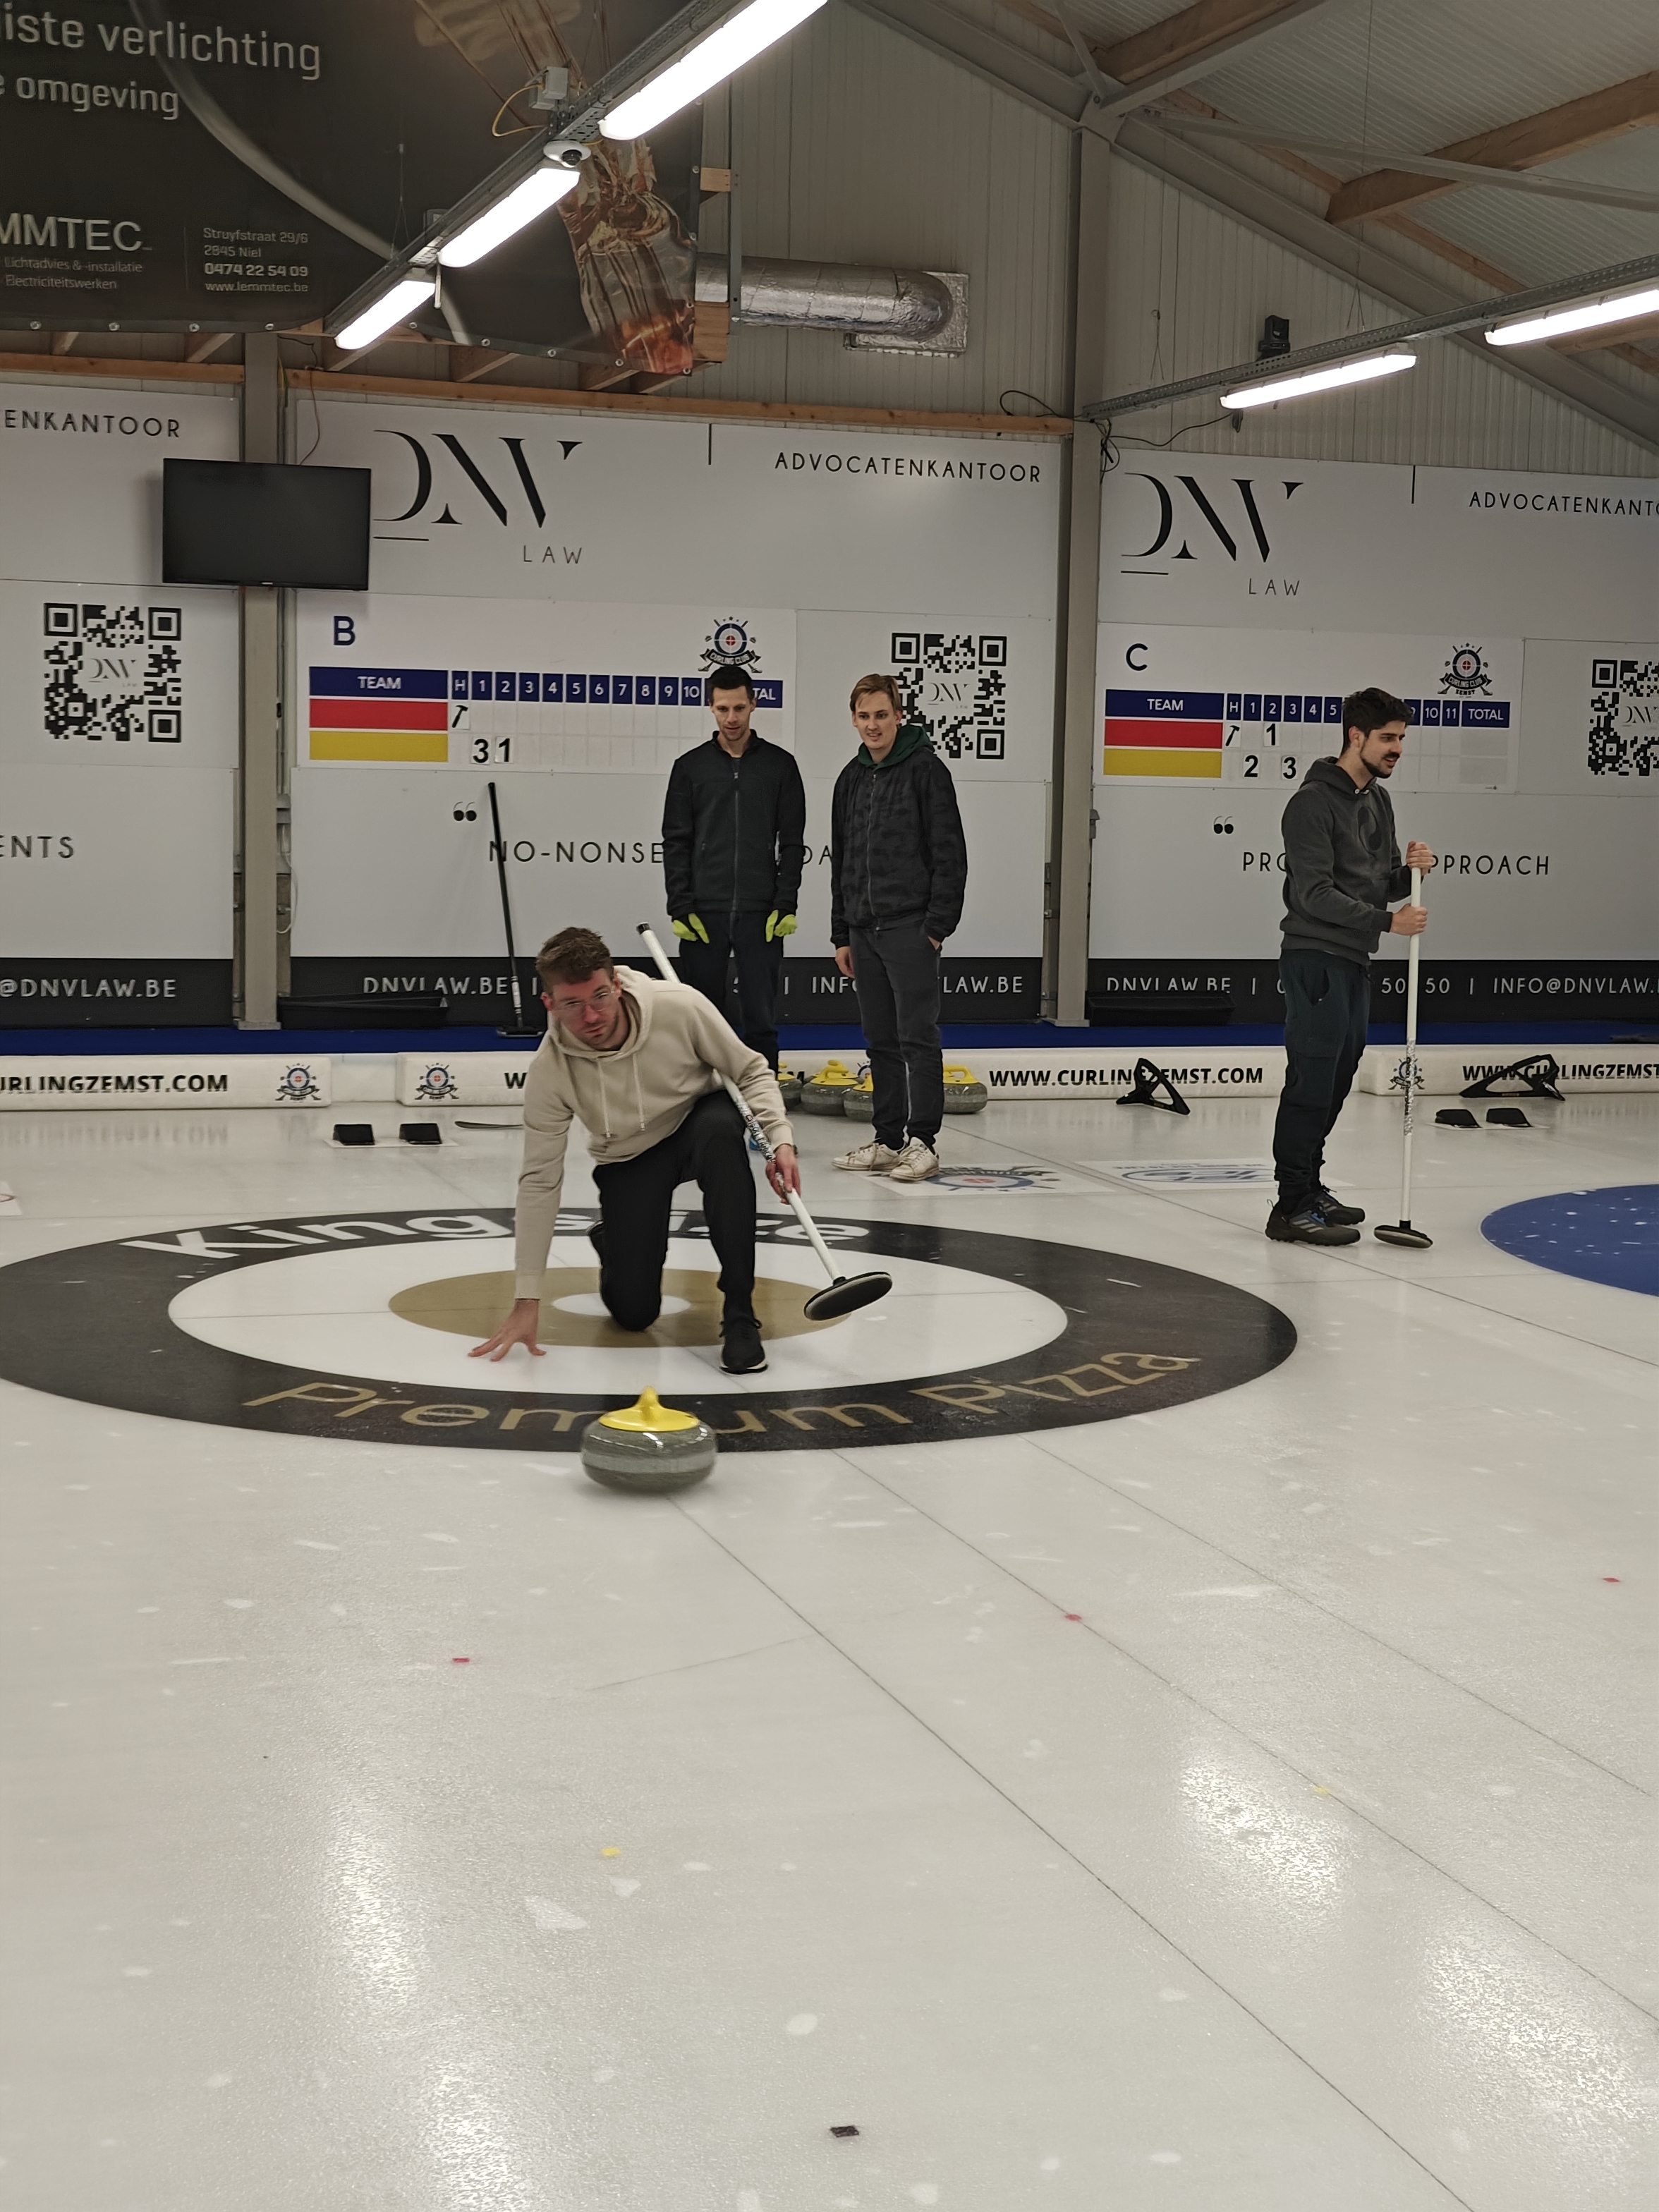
(296, 1085)
(729, 645)
(437, 1085)
(1465, 672)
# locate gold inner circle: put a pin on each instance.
(476, 1305)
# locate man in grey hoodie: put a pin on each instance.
(638, 1063)
(1341, 866)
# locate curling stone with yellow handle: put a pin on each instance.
(648, 1447)
(963, 1091)
(859, 1105)
(826, 1091)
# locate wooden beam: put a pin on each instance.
(688, 409)
(468, 364)
(204, 349)
(711, 181)
(1525, 144)
(1180, 38)
(127, 369)
(1609, 337)
(64, 341)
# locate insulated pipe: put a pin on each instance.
(827, 295)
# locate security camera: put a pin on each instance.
(566, 153)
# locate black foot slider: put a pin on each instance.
(1506, 1117)
(1455, 1117)
(1148, 1080)
(1539, 1072)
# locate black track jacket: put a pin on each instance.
(733, 832)
(896, 849)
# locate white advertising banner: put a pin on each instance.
(1240, 604)
(115, 886)
(498, 1078)
(550, 595)
(38, 1082)
(80, 472)
(1446, 1070)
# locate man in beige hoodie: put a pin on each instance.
(638, 1063)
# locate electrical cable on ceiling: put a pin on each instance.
(1015, 391)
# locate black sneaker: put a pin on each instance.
(1308, 1225)
(1339, 1216)
(741, 1349)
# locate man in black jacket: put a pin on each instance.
(1342, 865)
(898, 872)
(732, 850)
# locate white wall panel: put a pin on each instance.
(857, 146)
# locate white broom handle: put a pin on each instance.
(654, 948)
(1413, 945)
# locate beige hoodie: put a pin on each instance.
(678, 1046)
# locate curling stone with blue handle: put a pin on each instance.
(648, 1447)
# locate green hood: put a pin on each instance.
(910, 739)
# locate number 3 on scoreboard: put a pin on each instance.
(482, 755)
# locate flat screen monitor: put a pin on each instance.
(264, 522)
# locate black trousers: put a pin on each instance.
(711, 1149)
(1327, 1006)
(896, 978)
(759, 970)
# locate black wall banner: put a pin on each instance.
(1448, 990)
(245, 168)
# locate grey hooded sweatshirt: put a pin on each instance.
(1341, 864)
(676, 1048)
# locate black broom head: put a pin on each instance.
(846, 1294)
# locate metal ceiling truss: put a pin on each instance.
(1163, 152)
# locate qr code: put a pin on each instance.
(113, 672)
(958, 687)
(1624, 731)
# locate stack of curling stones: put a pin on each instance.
(649, 1448)
(789, 1082)
(835, 1090)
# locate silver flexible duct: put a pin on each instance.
(907, 304)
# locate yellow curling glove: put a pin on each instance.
(780, 925)
(690, 928)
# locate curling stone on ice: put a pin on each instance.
(859, 1105)
(826, 1091)
(963, 1091)
(648, 1447)
(789, 1082)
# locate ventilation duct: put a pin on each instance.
(896, 310)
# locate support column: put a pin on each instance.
(1077, 740)
(259, 784)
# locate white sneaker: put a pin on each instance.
(915, 1163)
(870, 1159)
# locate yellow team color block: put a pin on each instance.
(1158, 760)
(380, 745)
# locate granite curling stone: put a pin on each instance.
(648, 1447)
(826, 1091)
(859, 1105)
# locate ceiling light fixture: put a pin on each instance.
(380, 315)
(559, 173)
(1561, 322)
(709, 62)
(1268, 394)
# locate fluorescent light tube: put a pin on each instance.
(538, 192)
(390, 309)
(1559, 322)
(712, 60)
(1327, 378)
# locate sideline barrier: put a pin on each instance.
(1447, 1070)
(33, 1084)
(497, 1079)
